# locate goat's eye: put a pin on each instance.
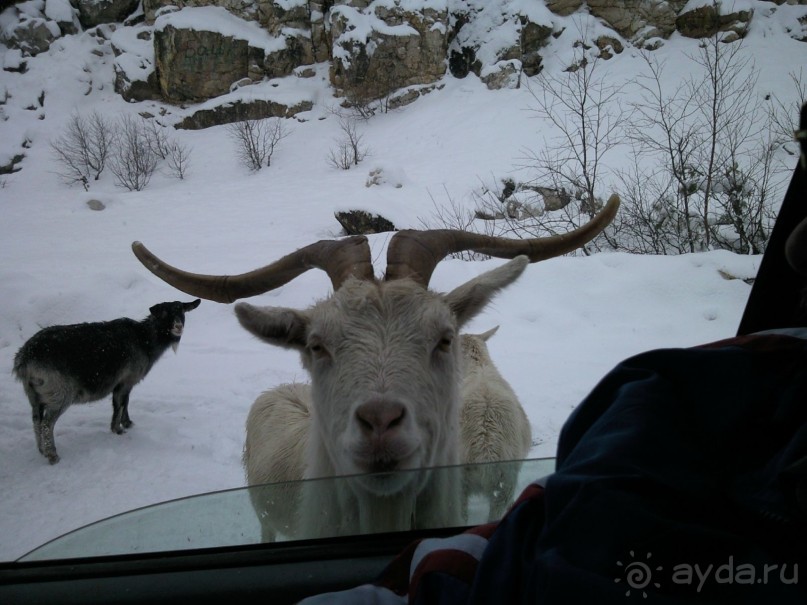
(317, 349)
(444, 344)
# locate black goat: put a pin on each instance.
(62, 365)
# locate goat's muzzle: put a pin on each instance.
(383, 442)
(176, 334)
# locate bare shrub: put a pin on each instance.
(350, 148)
(84, 147)
(256, 140)
(650, 221)
(133, 161)
(340, 157)
(784, 117)
(178, 160)
(713, 147)
(157, 138)
(705, 167)
(175, 155)
(521, 210)
(584, 109)
(744, 202)
(372, 95)
(725, 99)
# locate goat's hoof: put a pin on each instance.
(127, 424)
(118, 430)
(53, 458)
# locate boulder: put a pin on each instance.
(554, 199)
(135, 75)
(509, 39)
(636, 18)
(320, 31)
(194, 65)
(96, 12)
(359, 222)
(275, 16)
(296, 51)
(31, 35)
(462, 61)
(136, 88)
(64, 15)
(409, 95)
(504, 74)
(386, 47)
(243, 9)
(701, 22)
(533, 37)
(14, 62)
(229, 112)
(706, 21)
(609, 46)
(13, 164)
(201, 52)
(564, 8)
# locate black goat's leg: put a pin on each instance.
(48, 446)
(120, 415)
(125, 421)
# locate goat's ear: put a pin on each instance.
(486, 335)
(159, 310)
(191, 305)
(276, 325)
(471, 297)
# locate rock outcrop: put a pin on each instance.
(391, 50)
(227, 113)
(706, 21)
(499, 46)
(200, 52)
(383, 48)
(195, 65)
(31, 35)
(96, 12)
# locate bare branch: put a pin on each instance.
(133, 161)
(257, 140)
(83, 148)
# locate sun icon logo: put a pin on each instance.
(637, 574)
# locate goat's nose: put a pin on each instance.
(378, 416)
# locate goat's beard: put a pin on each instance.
(176, 336)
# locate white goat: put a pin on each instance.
(385, 365)
(493, 427)
(274, 453)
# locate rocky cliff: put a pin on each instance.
(190, 51)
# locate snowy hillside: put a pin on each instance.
(564, 324)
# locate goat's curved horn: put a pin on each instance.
(340, 259)
(415, 254)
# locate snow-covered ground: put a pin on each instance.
(564, 324)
